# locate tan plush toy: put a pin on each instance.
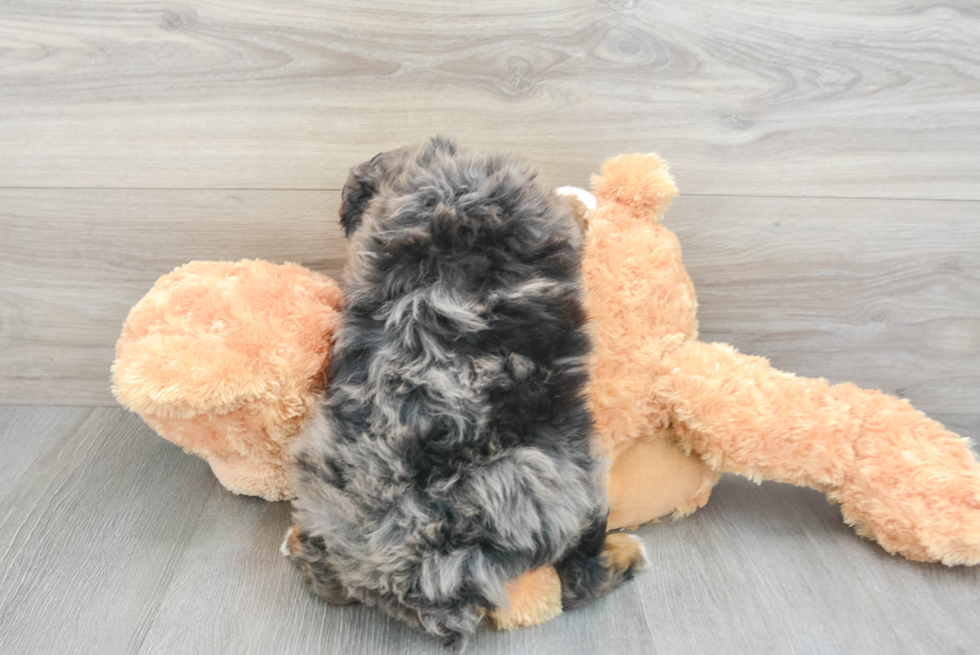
(671, 412)
(668, 404)
(226, 360)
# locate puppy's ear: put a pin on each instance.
(442, 143)
(361, 185)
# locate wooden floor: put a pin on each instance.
(114, 541)
(828, 156)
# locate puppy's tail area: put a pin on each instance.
(597, 564)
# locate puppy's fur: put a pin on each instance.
(452, 453)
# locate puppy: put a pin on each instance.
(452, 451)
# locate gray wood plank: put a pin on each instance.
(762, 569)
(234, 593)
(880, 292)
(91, 529)
(768, 569)
(26, 433)
(111, 540)
(773, 569)
(73, 262)
(873, 99)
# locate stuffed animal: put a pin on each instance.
(671, 413)
(226, 360)
(899, 477)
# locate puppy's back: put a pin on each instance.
(453, 451)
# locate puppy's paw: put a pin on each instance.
(307, 555)
(291, 545)
(623, 555)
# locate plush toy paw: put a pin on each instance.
(947, 532)
(651, 478)
(925, 518)
(914, 486)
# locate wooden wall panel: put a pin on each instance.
(73, 262)
(871, 99)
(880, 292)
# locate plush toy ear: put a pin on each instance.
(640, 182)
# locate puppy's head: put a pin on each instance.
(367, 179)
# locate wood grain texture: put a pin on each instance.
(91, 530)
(758, 97)
(27, 432)
(112, 541)
(880, 292)
(72, 264)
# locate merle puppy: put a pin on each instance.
(452, 452)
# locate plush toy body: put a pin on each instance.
(671, 412)
(669, 407)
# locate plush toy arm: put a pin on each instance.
(900, 477)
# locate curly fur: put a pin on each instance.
(452, 453)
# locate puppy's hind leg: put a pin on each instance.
(597, 564)
(310, 558)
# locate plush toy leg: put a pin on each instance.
(900, 477)
(652, 477)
